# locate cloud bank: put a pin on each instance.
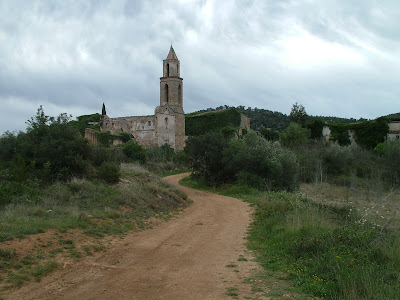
(338, 58)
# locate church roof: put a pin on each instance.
(171, 54)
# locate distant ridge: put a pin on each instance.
(274, 120)
(394, 116)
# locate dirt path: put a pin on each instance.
(193, 256)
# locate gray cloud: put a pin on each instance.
(335, 57)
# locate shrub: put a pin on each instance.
(316, 127)
(212, 121)
(110, 172)
(270, 135)
(125, 137)
(206, 156)
(391, 160)
(161, 154)
(50, 150)
(294, 136)
(338, 159)
(263, 159)
(134, 151)
(99, 155)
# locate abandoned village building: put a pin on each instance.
(167, 125)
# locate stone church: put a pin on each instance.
(167, 125)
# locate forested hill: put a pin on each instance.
(264, 118)
(394, 116)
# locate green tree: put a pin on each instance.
(294, 135)
(298, 114)
(260, 163)
(134, 151)
(51, 148)
(205, 152)
(270, 135)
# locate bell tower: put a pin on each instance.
(171, 84)
(170, 118)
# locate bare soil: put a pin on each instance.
(192, 256)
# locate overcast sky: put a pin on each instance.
(336, 57)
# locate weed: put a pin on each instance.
(75, 254)
(53, 252)
(232, 291)
(7, 254)
(38, 271)
(241, 258)
(322, 248)
(231, 266)
(17, 279)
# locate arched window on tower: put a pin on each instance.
(166, 93)
(179, 94)
(167, 70)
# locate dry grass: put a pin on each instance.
(372, 204)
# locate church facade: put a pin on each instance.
(167, 125)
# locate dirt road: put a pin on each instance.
(193, 256)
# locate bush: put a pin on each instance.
(125, 137)
(294, 136)
(263, 159)
(134, 151)
(270, 135)
(250, 160)
(391, 160)
(206, 156)
(51, 149)
(161, 154)
(338, 159)
(212, 121)
(110, 172)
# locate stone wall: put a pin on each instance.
(244, 122)
(142, 128)
(91, 136)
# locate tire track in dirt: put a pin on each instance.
(184, 258)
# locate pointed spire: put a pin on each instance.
(171, 54)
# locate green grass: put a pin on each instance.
(323, 250)
(17, 278)
(232, 291)
(95, 207)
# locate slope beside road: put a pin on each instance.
(195, 255)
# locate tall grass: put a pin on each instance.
(77, 203)
(323, 248)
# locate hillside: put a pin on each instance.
(264, 118)
(394, 116)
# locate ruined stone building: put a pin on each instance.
(167, 125)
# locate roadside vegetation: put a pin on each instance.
(60, 196)
(326, 213)
(326, 218)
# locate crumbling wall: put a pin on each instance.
(91, 136)
(142, 128)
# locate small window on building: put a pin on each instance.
(148, 123)
(179, 94)
(167, 70)
(166, 93)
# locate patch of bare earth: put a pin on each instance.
(195, 255)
